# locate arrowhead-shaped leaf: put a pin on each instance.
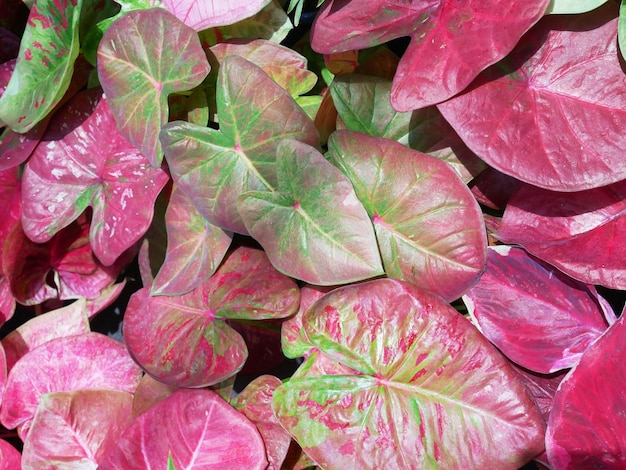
(591, 398)
(144, 56)
(553, 120)
(537, 316)
(74, 429)
(190, 343)
(452, 41)
(429, 227)
(313, 228)
(426, 390)
(197, 428)
(45, 62)
(92, 165)
(582, 233)
(195, 248)
(214, 167)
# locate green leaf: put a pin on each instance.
(573, 6)
(313, 228)
(143, 57)
(621, 28)
(45, 63)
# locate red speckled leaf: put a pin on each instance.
(184, 340)
(552, 114)
(65, 364)
(83, 161)
(580, 233)
(10, 458)
(537, 316)
(144, 56)
(195, 248)
(313, 228)
(426, 390)
(586, 425)
(66, 321)
(45, 63)
(428, 225)
(211, 13)
(74, 429)
(197, 428)
(255, 402)
(214, 167)
(452, 41)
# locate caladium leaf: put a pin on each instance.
(591, 397)
(211, 13)
(65, 321)
(537, 316)
(195, 248)
(452, 42)
(190, 344)
(45, 62)
(214, 167)
(65, 364)
(10, 217)
(429, 227)
(10, 458)
(565, 7)
(197, 428)
(148, 393)
(363, 104)
(144, 56)
(427, 391)
(255, 402)
(552, 120)
(494, 189)
(75, 429)
(580, 233)
(542, 387)
(313, 228)
(92, 165)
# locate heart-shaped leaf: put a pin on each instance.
(197, 429)
(452, 41)
(426, 391)
(580, 233)
(313, 228)
(190, 343)
(75, 429)
(45, 62)
(538, 317)
(195, 248)
(65, 364)
(214, 167)
(591, 397)
(363, 104)
(429, 228)
(211, 13)
(552, 120)
(144, 56)
(92, 165)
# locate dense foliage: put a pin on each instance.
(420, 206)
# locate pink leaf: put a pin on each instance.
(452, 41)
(552, 113)
(198, 429)
(211, 13)
(10, 458)
(586, 425)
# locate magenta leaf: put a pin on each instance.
(197, 428)
(45, 62)
(255, 402)
(65, 321)
(452, 42)
(363, 104)
(148, 393)
(580, 233)
(587, 419)
(551, 119)
(92, 165)
(313, 228)
(10, 217)
(214, 167)
(65, 364)
(190, 343)
(10, 458)
(426, 389)
(144, 56)
(76, 428)
(211, 13)
(429, 227)
(195, 248)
